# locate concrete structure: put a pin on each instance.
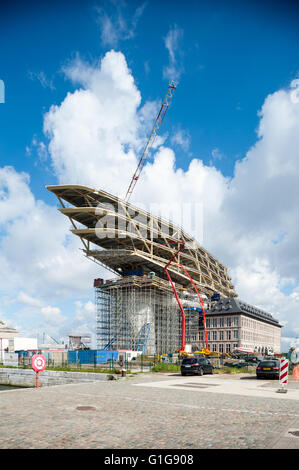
(79, 341)
(232, 324)
(27, 377)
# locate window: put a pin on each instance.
(221, 335)
(221, 322)
(236, 321)
(227, 348)
(269, 363)
(235, 345)
(201, 336)
(215, 322)
(208, 322)
(221, 348)
(214, 347)
(209, 335)
(201, 360)
(228, 321)
(236, 334)
(189, 360)
(228, 335)
(214, 335)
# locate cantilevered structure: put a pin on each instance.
(138, 309)
(125, 238)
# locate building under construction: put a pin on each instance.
(139, 308)
(157, 302)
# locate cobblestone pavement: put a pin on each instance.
(120, 415)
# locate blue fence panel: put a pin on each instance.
(92, 356)
(84, 357)
(105, 356)
(72, 357)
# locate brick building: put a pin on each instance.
(232, 323)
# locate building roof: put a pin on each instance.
(235, 305)
(123, 237)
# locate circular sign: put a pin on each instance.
(295, 356)
(38, 362)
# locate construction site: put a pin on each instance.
(164, 285)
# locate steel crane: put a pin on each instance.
(165, 105)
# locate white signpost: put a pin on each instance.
(283, 375)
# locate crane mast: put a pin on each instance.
(165, 105)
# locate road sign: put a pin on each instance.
(283, 373)
(38, 362)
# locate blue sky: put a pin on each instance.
(233, 54)
(228, 58)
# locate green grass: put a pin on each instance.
(233, 370)
(166, 368)
(236, 370)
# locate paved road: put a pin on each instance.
(152, 411)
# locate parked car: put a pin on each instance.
(196, 365)
(268, 369)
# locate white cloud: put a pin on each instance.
(39, 147)
(115, 27)
(26, 299)
(40, 263)
(85, 311)
(182, 138)
(216, 154)
(172, 41)
(42, 79)
(52, 315)
(15, 195)
(146, 67)
(100, 123)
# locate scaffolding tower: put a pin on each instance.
(141, 314)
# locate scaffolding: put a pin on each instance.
(141, 314)
(194, 328)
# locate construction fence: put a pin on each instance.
(96, 361)
(116, 361)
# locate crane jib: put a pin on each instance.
(152, 137)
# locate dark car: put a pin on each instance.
(268, 369)
(196, 365)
